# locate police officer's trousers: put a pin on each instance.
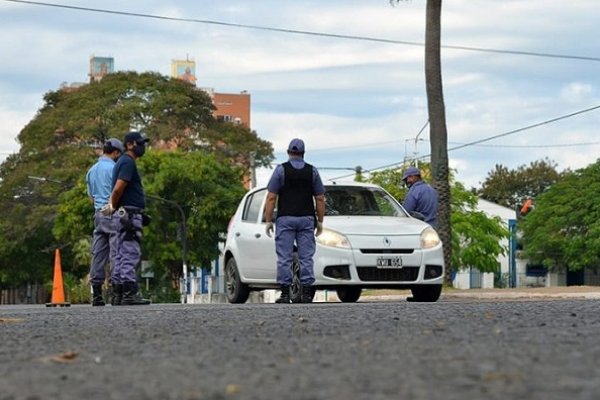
(299, 230)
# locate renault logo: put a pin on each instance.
(386, 241)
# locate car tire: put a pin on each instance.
(349, 294)
(426, 293)
(236, 290)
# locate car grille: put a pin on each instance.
(372, 274)
(387, 251)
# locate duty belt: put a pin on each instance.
(133, 210)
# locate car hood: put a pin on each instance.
(371, 225)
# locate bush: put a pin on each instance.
(77, 291)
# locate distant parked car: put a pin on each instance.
(368, 241)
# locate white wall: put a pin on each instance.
(463, 278)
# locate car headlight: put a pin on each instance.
(429, 238)
(333, 239)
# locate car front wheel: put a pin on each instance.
(349, 294)
(426, 293)
(296, 288)
(237, 291)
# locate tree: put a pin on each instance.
(438, 134)
(511, 188)
(26, 241)
(208, 192)
(563, 231)
(476, 237)
(62, 141)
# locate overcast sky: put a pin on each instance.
(354, 102)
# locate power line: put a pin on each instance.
(398, 141)
(534, 146)
(310, 33)
(477, 142)
(536, 125)
(512, 146)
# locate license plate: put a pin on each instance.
(389, 262)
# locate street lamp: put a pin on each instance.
(183, 242)
(44, 179)
(416, 142)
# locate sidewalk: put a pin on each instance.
(450, 294)
(560, 292)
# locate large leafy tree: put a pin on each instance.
(62, 141)
(477, 239)
(563, 230)
(438, 133)
(207, 192)
(26, 241)
(511, 187)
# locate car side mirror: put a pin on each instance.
(417, 215)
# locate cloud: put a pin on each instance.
(576, 92)
(354, 102)
(12, 123)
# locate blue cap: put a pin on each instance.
(296, 146)
(115, 144)
(411, 171)
(135, 137)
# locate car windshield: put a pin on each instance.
(360, 200)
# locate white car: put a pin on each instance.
(368, 241)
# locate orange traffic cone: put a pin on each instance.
(58, 290)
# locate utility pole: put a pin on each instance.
(252, 170)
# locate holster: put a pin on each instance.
(129, 228)
(146, 219)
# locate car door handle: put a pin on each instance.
(237, 234)
(257, 235)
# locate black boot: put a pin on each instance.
(116, 294)
(97, 299)
(131, 296)
(285, 295)
(306, 294)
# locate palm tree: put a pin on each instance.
(438, 134)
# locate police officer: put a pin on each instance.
(421, 197)
(297, 189)
(127, 202)
(99, 184)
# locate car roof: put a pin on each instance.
(332, 184)
(350, 183)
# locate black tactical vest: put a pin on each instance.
(296, 195)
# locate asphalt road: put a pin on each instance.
(467, 349)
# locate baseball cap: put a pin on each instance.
(296, 146)
(410, 172)
(135, 136)
(115, 144)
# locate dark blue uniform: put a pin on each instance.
(295, 182)
(422, 198)
(128, 224)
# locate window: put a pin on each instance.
(354, 200)
(253, 206)
(536, 270)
